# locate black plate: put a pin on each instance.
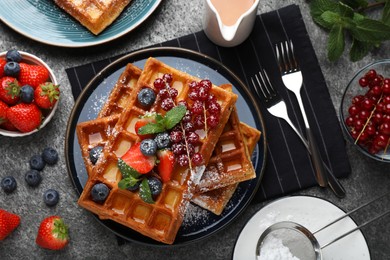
(199, 223)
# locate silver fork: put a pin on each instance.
(276, 106)
(292, 79)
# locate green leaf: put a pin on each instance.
(151, 128)
(345, 10)
(127, 182)
(368, 30)
(359, 50)
(355, 3)
(145, 192)
(174, 116)
(317, 8)
(331, 17)
(336, 42)
(358, 17)
(386, 13)
(126, 170)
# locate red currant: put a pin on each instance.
(182, 160)
(159, 83)
(363, 82)
(197, 159)
(167, 77)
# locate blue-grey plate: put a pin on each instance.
(198, 223)
(44, 21)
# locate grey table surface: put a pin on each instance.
(173, 18)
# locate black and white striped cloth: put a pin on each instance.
(288, 166)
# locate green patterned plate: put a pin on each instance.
(43, 21)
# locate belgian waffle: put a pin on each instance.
(230, 162)
(95, 15)
(216, 200)
(118, 100)
(162, 219)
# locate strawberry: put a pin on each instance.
(9, 90)
(25, 117)
(142, 122)
(52, 233)
(165, 166)
(2, 64)
(8, 222)
(3, 112)
(46, 95)
(141, 163)
(32, 75)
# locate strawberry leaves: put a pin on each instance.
(346, 17)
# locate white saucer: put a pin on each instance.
(313, 213)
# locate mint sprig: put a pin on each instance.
(131, 177)
(145, 193)
(347, 17)
(163, 123)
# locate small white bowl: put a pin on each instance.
(32, 59)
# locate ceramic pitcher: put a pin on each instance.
(228, 35)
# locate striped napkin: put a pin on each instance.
(288, 166)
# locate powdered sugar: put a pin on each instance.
(195, 215)
(272, 248)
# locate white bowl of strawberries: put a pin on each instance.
(29, 93)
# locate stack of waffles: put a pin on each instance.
(225, 151)
(95, 15)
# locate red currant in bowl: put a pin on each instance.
(365, 108)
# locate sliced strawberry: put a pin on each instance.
(52, 233)
(32, 75)
(2, 64)
(8, 222)
(25, 117)
(142, 122)
(165, 166)
(141, 163)
(9, 90)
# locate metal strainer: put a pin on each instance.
(302, 242)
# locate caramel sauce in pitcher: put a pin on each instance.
(231, 10)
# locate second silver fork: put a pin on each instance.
(292, 79)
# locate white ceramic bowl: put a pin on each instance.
(32, 59)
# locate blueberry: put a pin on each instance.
(155, 186)
(33, 178)
(37, 162)
(94, 154)
(162, 140)
(8, 184)
(26, 94)
(51, 197)
(12, 69)
(146, 97)
(50, 155)
(134, 187)
(148, 147)
(13, 55)
(99, 192)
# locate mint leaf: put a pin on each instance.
(145, 193)
(368, 30)
(126, 170)
(336, 42)
(358, 17)
(151, 128)
(127, 182)
(331, 17)
(359, 50)
(317, 8)
(345, 10)
(174, 116)
(355, 3)
(386, 13)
